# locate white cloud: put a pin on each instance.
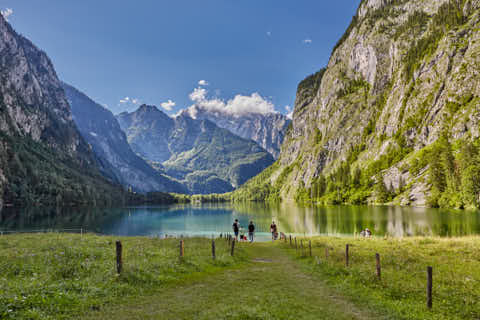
(198, 95)
(239, 105)
(168, 105)
(203, 83)
(289, 112)
(128, 100)
(307, 41)
(6, 13)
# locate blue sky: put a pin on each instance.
(154, 51)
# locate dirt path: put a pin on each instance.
(272, 287)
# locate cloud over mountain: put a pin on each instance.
(239, 105)
(168, 106)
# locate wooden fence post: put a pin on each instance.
(119, 257)
(379, 268)
(233, 247)
(347, 247)
(429, 287)
(182, 248)
(310, 246)
(290, 240)
(213, 249)
(296, 246)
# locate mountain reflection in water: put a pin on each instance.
(210, 219)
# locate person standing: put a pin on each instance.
(273, 230)
(236, 228)
(251, 231)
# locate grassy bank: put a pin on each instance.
(57, 276)
(401, 292)
(62, 276)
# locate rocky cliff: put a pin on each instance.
(268, 130)
(101, 130)
(204, 157)
(43, 158)
(394, 117)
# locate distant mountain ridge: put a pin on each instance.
(206, 158)
(101, 130)
(267, 129)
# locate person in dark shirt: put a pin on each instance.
(273, 230)
(251, 231)
(236, 228)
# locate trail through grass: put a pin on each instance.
(57, 276)
(272, 286)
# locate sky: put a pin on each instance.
(165, 53)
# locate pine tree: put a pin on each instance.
(381, 191)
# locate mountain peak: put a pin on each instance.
(148, 108)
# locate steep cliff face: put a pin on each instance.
(204, 157)
(101, 130)
(402, 82)
(43, 158)
(33, 101)
(268, 130)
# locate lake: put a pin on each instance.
(212, 219)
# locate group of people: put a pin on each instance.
(366, 233)
(240, 234)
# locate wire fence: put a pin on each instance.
(69, 230)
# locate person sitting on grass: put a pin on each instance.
(242, 234)
(368, 233)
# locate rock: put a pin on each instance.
(370, 94)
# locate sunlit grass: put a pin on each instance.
(55, 276)
(401, 292)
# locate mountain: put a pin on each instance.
(206, 158)
(43, 158)
(101, 130)
(268, 130)
(393, 118)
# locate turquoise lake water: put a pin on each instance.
(208, 220)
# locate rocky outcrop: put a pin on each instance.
(32, 96)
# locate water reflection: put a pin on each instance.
(215, 219)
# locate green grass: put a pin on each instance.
(59, 276)
(401, 293)
(271, 286)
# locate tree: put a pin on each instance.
(381, 191)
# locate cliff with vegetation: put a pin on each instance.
(393, 118)
(43, 158)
